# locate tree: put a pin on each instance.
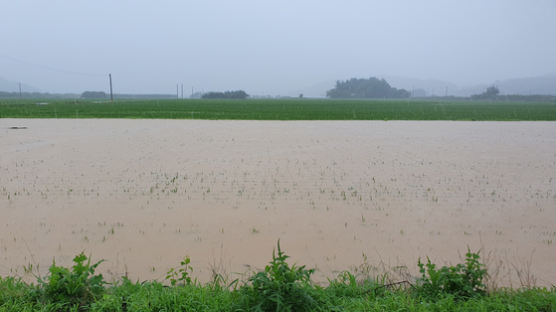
(366, 88)
(491, 93)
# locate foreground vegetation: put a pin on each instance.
(288, 109)
(280, 287)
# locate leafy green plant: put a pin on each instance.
(76, 288)
(462, 280)
(182, 275)
(280, 287)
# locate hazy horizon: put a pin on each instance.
(271, 47)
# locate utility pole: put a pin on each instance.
(177, 92)
(20, 95)
(182, 91)
(111, 94)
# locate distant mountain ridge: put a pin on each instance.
(538, 85)
(545, 85)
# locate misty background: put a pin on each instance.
(277, 47)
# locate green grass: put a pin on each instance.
(279, 287)
(153, 296)
(290, 109)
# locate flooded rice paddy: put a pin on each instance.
(143, 194)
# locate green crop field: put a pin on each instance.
(287, 109)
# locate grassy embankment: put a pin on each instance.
(306, 109)
(280, 287)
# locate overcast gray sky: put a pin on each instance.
(270, 47)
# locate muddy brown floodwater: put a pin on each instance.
(143, 194)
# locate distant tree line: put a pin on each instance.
(144, 96)
(372, 88)
(36, 95)
(101, 95)
(526, 98)
(94, 95)
(493, 93)
(236, 95)
(40, 95)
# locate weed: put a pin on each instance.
(524, 273)
(462, 280)
(182, 275)
(280, 287)
(76, 288)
